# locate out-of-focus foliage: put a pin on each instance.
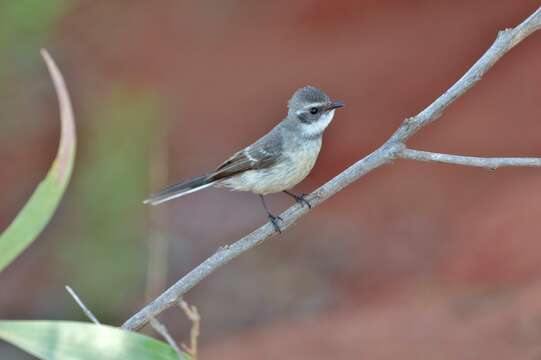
(56, 340)
(116, 152)
(109, 189)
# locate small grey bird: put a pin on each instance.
(277, 161)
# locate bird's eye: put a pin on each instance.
(313, 110)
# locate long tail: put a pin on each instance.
(180, 189)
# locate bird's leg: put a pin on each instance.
(301, 199)
(273, 219)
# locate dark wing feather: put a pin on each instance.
(260, 155)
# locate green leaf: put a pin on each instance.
(37, 212)
(67, 340)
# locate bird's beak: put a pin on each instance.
(335, 105)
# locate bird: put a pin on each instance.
(276, 162)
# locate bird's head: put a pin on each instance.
(312, 109)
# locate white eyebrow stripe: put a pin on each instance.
(309, 106)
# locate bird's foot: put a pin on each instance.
(301, 199)
(274, 221)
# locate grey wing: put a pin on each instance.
(260, 155)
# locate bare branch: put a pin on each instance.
(226, 253)
(192, 314)
(162, 330)
(484, 162)
(388, 152)
(79, 302)
(504, 42)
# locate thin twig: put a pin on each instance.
(193, 314)
(388, 152)
(484, 162)
(79, 302)
(162, 330)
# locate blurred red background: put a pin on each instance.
(416, 260)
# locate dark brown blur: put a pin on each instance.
(414, 261)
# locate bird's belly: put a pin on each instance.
(283, 175)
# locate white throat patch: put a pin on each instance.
(316, 128)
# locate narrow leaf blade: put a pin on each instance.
(61, 340)
(39, 209)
